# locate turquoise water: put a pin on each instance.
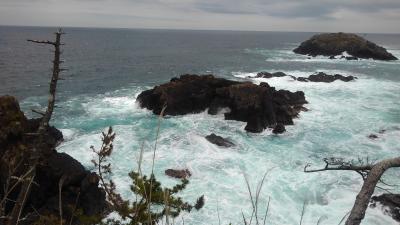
(340, 118)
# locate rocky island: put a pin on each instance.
(332, 44)
(261, 106)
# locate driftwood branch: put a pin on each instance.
(371, 173)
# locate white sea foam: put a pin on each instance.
(341, 117)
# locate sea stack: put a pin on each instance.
(332, 44)
(261, 106)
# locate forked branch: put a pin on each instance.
(371, 173)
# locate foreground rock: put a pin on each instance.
(318, 77)
(261, 106)
(180, 174)
(16, 141)
(220, 141)
(332, 44)
(391, 202)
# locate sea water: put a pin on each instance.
(108, 68)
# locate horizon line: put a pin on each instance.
(186, 29)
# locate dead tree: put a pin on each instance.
(44, 123)
(35, 152)
(371, 174)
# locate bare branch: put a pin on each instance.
(38, 112)
(42, 42)
(371, 174)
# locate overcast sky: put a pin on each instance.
(265, 15)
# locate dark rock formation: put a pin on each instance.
(270, 75)
(372, 136)
(17, 139)
(391, 201)
(318, 77)
(260, 106)
(279, 129)
(323, 77)
(351, 58)
(180, 174)
(332, 44)
(220, 141)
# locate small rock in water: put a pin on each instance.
(180, 174)
(373, 136)
(279, 129)
(220, 141)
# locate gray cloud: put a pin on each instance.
(310, 15)
(293, 8)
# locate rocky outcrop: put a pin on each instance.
(220, 141)
(17, 139)
(326, 78)
(318, 77)
(391, 203)
(179, 174)
(261, 106)
(265, 74)
(332, 44)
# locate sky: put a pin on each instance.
(362, 16)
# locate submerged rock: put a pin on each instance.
(16, 140)
(180, 174)
(331, 44)
(391, 202)
(220, 141)
(258, 105)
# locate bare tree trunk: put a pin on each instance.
(44, 123)
(371, 174)
(36, 153)
(362, 200)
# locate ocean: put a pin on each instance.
(108, 68)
